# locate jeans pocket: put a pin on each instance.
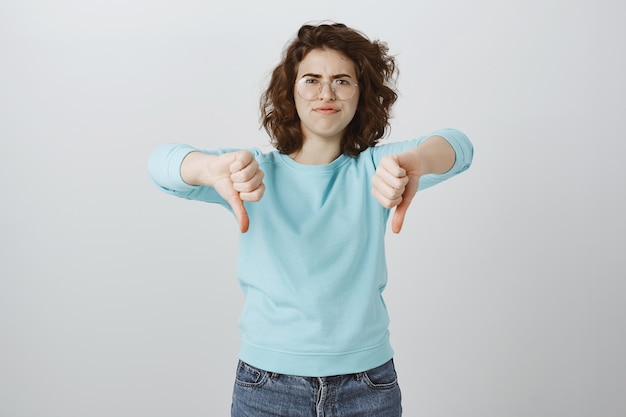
(382, 377)
(248, 376)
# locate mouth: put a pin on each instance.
(326, 110)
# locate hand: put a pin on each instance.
(395, 184)
(237, 178)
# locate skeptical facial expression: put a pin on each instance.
(325, 115)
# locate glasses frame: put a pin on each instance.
(321, 86)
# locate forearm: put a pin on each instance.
(434, 155)
(195, 169)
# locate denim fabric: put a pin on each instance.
(258, 393)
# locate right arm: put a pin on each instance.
(235, 176)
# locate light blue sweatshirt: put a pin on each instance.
(312, 264)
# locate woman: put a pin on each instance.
(313, 214)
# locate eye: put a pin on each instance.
(342, 82)
(309, 80)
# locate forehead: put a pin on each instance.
(326, 62)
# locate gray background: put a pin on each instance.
(506, 292)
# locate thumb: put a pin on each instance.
(235, 200)
(407, 197)
(398, 217)
(240, 212)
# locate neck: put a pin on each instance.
(316, 153)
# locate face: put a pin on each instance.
(325, 117)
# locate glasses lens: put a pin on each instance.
(310, 88)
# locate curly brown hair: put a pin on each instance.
(376, 76)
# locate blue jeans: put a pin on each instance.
(374, 393)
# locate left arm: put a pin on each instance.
(397, 176)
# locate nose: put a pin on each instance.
(326, 93)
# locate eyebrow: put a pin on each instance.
(334, 77)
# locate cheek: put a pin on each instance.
(352, 110)
(300, 114)
(300, 106)
(354, 103)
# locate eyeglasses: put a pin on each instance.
(309, 88)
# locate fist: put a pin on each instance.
(389, 182)
(395, 186)
(239, 179)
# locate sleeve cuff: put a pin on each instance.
(463, 149)
(164, 166)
